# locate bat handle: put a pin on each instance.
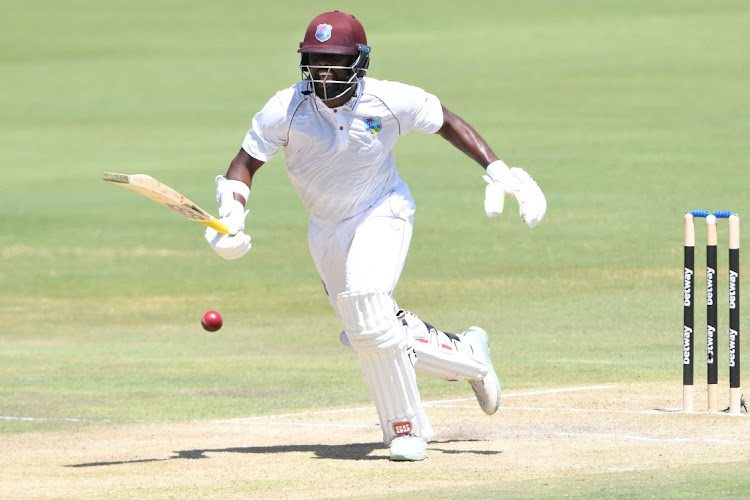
(215, 224)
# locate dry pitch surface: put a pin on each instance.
(536, 436)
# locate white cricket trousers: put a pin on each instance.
(367, 251)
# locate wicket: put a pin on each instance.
(735, 399)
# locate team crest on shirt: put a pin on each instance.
(372, 124)
(323, 33)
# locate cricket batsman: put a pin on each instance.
(337, 128)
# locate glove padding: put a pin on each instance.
(503, 182)
(232, 214)
(235, 243)
(229, 247)
(494, 197)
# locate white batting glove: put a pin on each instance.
(229, 247)
(494, 197)
(503, 181)
(232, 214)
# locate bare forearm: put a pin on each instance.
(238, 171)
(467, 140)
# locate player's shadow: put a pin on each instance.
(355, 451)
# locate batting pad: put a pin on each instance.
(380, 342)
(446, 362)
(439, 355)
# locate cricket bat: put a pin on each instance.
(161, 193)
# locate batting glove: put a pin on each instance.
(503, 182)
(232, 214)
(229, 247)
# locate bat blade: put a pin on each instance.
(165, 195)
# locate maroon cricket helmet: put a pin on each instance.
(334, 33)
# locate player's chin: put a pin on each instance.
(330, 90)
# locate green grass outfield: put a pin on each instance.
(626, 113)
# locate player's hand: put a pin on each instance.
(231, 211)
(232, 214)
(503, 181)
(494, 197)
(531, 201)
(229, 247)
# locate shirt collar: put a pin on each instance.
(352, 103)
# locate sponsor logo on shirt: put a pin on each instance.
(323, 33)
(372, 124)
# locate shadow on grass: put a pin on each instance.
(355, 451)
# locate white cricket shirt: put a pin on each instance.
(340, 159)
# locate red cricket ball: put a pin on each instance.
(211, 321)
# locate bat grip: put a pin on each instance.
(215, 224)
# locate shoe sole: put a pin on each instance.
(413, 450)
(483, 339)
(407, 458)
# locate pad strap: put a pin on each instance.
(440, 354)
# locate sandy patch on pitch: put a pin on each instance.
(338, 453)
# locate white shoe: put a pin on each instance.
(487, 390)
(408, 449)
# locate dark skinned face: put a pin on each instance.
(332, 72)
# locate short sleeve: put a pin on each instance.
(268, 132)
(415, 108)
(429, 116)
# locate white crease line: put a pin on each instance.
(245, 420)
(555, 391)
(522, 394)
(605, 410)
(582, 410)
(35, 419)
(334, 425)
(724, 413)
(453, 407)
(266, 418)
(643, 438)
